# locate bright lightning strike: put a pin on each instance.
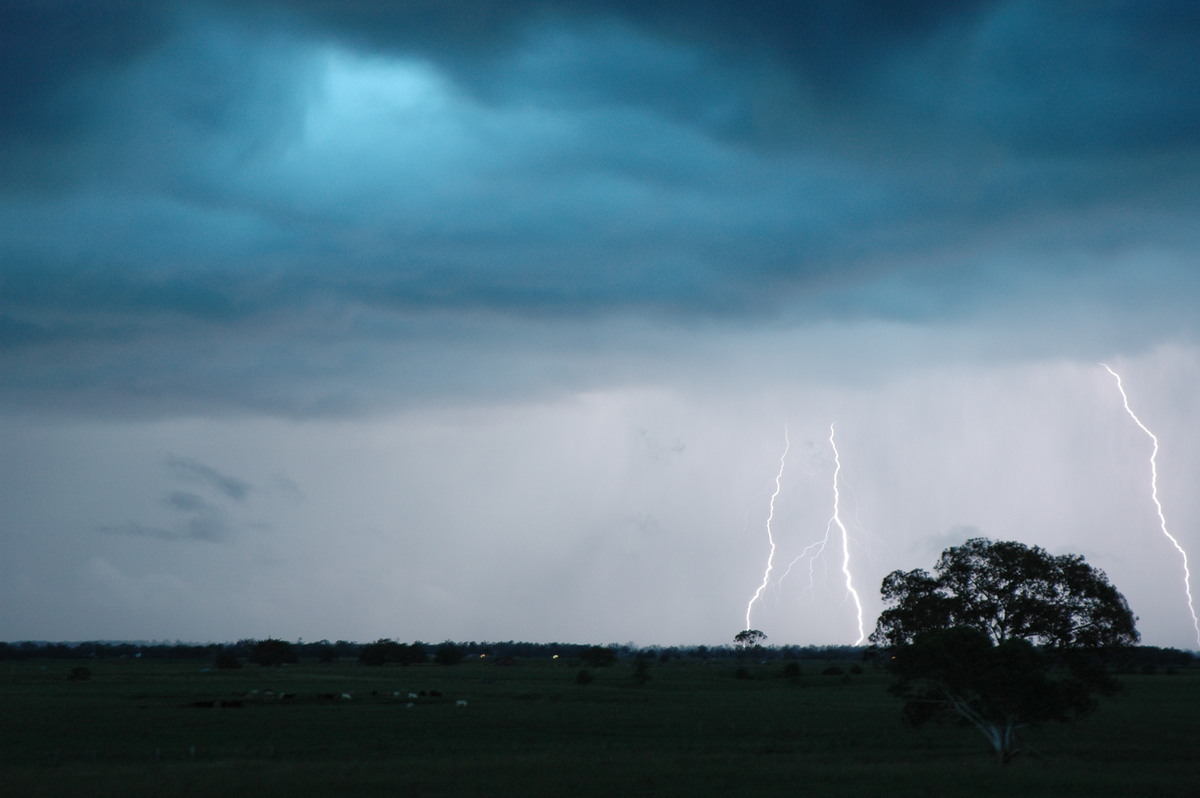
(1162, 519)
(770, 536)
(837, 519)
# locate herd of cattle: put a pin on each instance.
(270, 696)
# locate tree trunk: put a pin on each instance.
(1002, 735)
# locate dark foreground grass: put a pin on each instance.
(530, 730)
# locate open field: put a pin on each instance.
(530, 730)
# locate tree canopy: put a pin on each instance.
(384, 651)
(1008, 591)
(1002, 636)
(749, 638)
(273, 651)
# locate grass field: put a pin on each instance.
(530, 730)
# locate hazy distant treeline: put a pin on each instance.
(324, 650)
(379, 652)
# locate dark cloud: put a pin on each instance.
(1041, 75)
(216, 205)
(188, 502)
(49, 50)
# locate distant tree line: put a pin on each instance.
(269, 651)
(388, 651)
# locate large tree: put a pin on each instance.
(749, 638)
(1001, 636)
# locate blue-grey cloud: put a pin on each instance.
(197, 517)
(214, 206)
(195, 471)
(188, 502)
(201, 528)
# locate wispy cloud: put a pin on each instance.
(201, 528)
(197, 518)
(195, 471)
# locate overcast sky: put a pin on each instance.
(491, 320)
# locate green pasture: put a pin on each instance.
(530, 730)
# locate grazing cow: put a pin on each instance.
(346, 696)
(412, 695)
(460, 702)
(435, 694)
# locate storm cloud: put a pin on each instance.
(499, 235)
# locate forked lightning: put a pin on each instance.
(837, 519)
(1162, 519)
(770, 536)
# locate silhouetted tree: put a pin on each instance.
(375, 653)
(273, 652)
(599, 656)
(448, 654)
(748, 639)
(1002, 636)
(411, 654)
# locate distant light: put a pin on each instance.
(554, 657)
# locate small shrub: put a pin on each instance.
(833, 670)
(599, 656)
(273, 652)
(226, 659)
(448, 654)
(80, 674)
(742, 672)
(376, 653)
(791, 671)
(584, 677)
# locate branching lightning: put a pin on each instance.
(1162, 519)
(770, 536)
(837, 519)
(811, 552)
(815, 550)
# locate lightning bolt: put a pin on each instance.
(770, 536)
(1162, 519)
(837, 519)
(812, 551)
